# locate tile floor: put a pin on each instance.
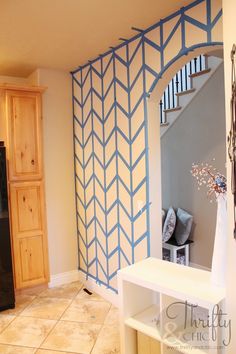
(61, 320)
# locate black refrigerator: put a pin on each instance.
(7, 297)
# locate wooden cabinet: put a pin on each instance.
(21, 129)
(24, 133)
(29, 230)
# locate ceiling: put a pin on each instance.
(63, 34)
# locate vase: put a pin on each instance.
(219, 259)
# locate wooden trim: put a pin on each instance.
(6, 86)
(199, 73)
(172, 109)
(45, 235)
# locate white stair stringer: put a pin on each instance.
(184, 99)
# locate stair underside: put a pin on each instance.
(182, 100)
(186, 92)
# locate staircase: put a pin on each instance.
(184, 86)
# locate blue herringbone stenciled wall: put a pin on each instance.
(111, 137)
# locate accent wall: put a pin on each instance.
(111, 137)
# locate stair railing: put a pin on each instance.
(181, 82)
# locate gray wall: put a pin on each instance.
(198, 135)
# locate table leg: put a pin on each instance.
(187, 255)
(174, 255)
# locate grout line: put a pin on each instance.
(65, 309)
(36, 318)
(19, 346)
(57, 321)
(8, 322)
(100, 329)
(83, 322)
(94, 300)
(38, 297)
(99, 332)
(16, 315)
(58, 350)
(28, 304)
(107, 314)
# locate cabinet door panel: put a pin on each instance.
(27, 206)
(24, 133)
(29, 233)
(31, 260)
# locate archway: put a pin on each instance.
(155, 190)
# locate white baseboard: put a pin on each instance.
(198, 266)
(101, 290)
(90, 284)
(63, 278)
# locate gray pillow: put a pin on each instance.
(183, 226)
(169, 225)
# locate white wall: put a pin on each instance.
(192, 139)
(59, 169)
(229, 11)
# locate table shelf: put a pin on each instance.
(147, 322)
(148, 288)
(184, 348)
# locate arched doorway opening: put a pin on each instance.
(155, 172)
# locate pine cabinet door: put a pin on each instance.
(24, 135)
(29, 234)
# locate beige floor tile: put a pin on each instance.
(5, 320)
(10, 349)
(48, 308)
(87, 311)
(67, 291)
(72, 337)
(108, 341)
(26, 331)
(112, 316)
(35, 291)
(22, 301)
(94, 297)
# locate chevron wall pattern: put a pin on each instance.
(111, 138)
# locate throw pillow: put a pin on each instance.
(183, 226)
(163, 214)
(169, 225)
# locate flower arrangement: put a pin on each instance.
(208, 176)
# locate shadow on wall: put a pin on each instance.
(198, 135)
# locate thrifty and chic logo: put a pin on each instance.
(186, 322)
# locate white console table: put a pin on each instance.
(151, 289)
